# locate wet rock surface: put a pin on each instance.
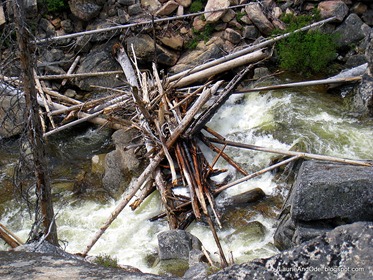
(27, 265)
(324, 196)
(344, 253)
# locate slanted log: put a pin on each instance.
(206, 73)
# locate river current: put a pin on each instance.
(317, 121)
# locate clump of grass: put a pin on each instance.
(202, 35)
(106, 261)
(55, 5)
(308, 52)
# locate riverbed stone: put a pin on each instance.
(215, 5)
(343, 253)
(223, 200)
(351, 31)
(212, 49)
(324, 196)
(39, 266)
(167, 9)
(99, 60)
(84, 9)
(12, 115)
(333, 8)
(122, 164)
(258, 18)
(143, 46)
(177, 244)
(232, 35)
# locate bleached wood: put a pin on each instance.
(290, 153)
(304, 84)
(79, 75)
(71, 69)
(226, 66)
(125, 63)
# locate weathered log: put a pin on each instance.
(328, 81)
(255, 174)
(71, 69)
(124, 61)
(290, 153)
(206, 73)
(79, 75)
(10, 238)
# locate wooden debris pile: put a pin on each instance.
(170, 120)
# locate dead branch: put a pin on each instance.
(289, 153)
(71, 69)
(328, 81)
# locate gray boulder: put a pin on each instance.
(143, 46)
(344, 253)
(99, 60)
(177, 244)
(323, 196)
(258, 18)
(351, 31)
(122, 164)
(12, 115)
(84, 9)
(204, 52)
(37, 266)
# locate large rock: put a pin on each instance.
(363, 99)
(204, 52)
(351, 31)
(344, 253)
(215, 5)
(12, 115)
(336, 9)
(258, 18)
(84, 9)
(143, 46)
(323, 196)
(39, 266)
(99, 60)
(122, 164)
(177, 244)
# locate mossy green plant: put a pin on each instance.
(202, 35)
(196, 6)
(308, 52)
(54, 5)
(106, 261)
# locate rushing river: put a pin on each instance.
(318, 121)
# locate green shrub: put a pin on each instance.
(308, 52)
(106, 261)
(55, 5)
(196, 6)
(203, 35)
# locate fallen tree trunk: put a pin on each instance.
(304, 84)
(289, 153)
(206, 73)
